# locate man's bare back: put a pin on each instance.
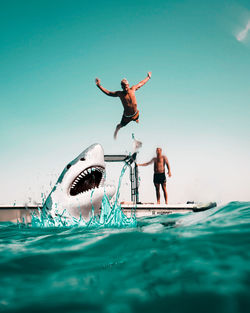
(128, 99)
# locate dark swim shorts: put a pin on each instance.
(159, 178)
(126, 119)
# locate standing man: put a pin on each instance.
(128, 99)
(159, 173)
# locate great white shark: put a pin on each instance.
(80, 187)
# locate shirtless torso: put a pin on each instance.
(159, 164)
(128, 100)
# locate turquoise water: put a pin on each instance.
(198, 262)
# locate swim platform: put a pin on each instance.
(18, 213)
(151, 209)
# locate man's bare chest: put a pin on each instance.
(159, 162)
(129, 97)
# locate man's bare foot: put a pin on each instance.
(158, 202)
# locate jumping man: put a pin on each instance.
(159, 173)
(128, 99)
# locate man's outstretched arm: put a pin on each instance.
(106, 91)
(147, 163)
(143, 82)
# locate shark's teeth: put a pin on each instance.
(89, 179)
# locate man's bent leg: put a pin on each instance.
(118, 127)
(157, 189)
(164, 188)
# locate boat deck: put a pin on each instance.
(150, 209)
(20, 213)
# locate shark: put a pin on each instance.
(80, 188)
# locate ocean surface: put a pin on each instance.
(197, 262)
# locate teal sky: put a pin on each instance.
(196, 106)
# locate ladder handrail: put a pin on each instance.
(129, 159)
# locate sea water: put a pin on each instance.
(197, 262)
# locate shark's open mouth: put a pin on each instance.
(88, 179)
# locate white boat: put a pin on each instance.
(14, 213)
(150, 209)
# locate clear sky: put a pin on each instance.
(196, 106)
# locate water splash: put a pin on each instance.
(111, 215)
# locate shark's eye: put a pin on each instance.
(82, 159)
(68, 166)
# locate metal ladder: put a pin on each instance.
(134, 178)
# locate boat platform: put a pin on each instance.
(21, 213)
(151, 209)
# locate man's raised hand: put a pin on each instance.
(149, 74)
(97, 81)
